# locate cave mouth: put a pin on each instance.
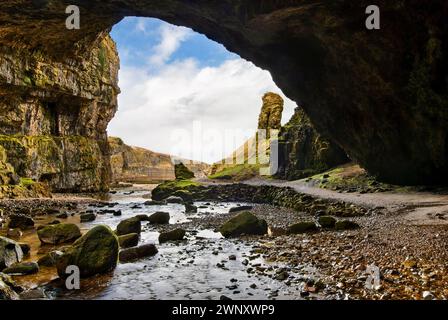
(185, 95)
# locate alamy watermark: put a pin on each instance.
(73, 21)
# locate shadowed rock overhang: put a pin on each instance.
(381, 95)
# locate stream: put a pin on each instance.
(196, 268)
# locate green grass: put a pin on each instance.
(26, 181)
(237, 172)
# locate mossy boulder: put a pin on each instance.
(346, 225)
(174, 235)
(327, 221)
(128, 240)
(182, 172)
(159, 218)
(131, 225)
(132, 254)
(169, 188)
(244, 223)
(10, 253)
(21, 221)
(94, 253)
(302, 227)
(22, 268)
(59, 233)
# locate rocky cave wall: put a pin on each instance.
(379, 94)
(303, 152)
(54, 115)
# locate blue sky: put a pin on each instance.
(183, 94)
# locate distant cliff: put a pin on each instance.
(139, 165)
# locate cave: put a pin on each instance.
(379, 94)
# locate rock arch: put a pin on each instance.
(381, 95)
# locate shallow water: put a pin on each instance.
(198, 268)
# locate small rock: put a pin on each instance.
(174, 235)
(87, 217)
(50, 259)
(128, 240)
(14, 233)
(10, 253)
(190, 208)
(159, 218)
(326, 221)
(59, 233)
(346, 225)
(427, 295)
(232, 257)
(240, 208)
(174, 199)
(302, 227)
(21, 221)
(25, 248)
(132, 254)
(154, 203)
(244, 223)
(22, 268)
(127, 226)
(63, 215)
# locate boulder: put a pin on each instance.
(182, 172)
(302, 227)
(174, 235)
(59, 233)
(21, 221)
(159, 218)
(131, 225)
(244, 223)
(174, 199)
(128, 240)
(87, 217)
(10, 253)
(240, 208)
(22, 268)
(50, 259)
(346, 225)
(8, 288)
(132, 254)
(94, 253)
(326, 222)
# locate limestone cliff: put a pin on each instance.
(54, 115)
(139, 165)
(271, 112)
(303, 152)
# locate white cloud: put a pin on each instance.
(171, 39)
(187, 110)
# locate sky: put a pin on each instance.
(183, 94)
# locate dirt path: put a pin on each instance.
(420, 208)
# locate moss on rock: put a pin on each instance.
(94, 253)
(244, 223)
